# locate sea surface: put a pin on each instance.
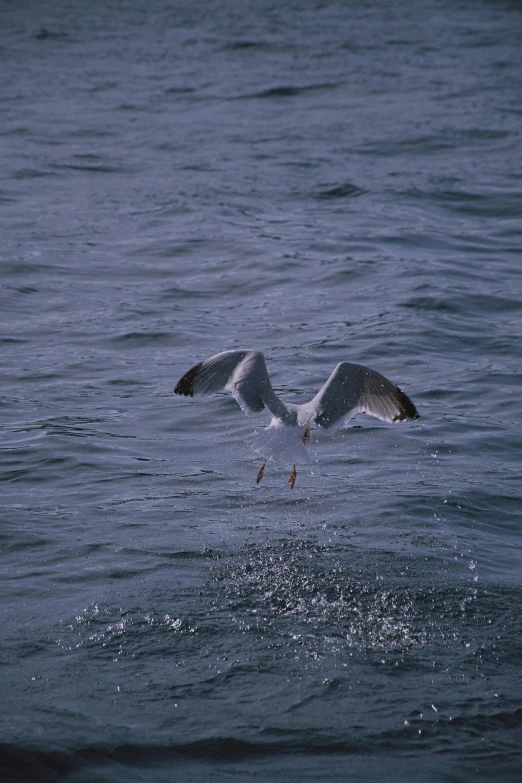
(321, 181)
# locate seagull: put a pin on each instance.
(350, 389)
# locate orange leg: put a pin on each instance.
(306, 436)
(292, 478)
(260, 473)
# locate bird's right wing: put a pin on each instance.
(243, 373)
(353, 388)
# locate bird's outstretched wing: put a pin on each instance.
(353, 388)
(243, 373)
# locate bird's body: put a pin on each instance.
(350, 389)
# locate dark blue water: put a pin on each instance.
(322, 181)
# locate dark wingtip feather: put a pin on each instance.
(408, 409)
(186, 384)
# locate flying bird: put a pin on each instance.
(350, 389)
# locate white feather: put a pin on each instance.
(280, 443)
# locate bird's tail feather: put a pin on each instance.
(282, 444)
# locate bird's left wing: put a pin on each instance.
(353, 388)
(243, 373)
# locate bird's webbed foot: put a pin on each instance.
(292, 478)
(260, 472)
